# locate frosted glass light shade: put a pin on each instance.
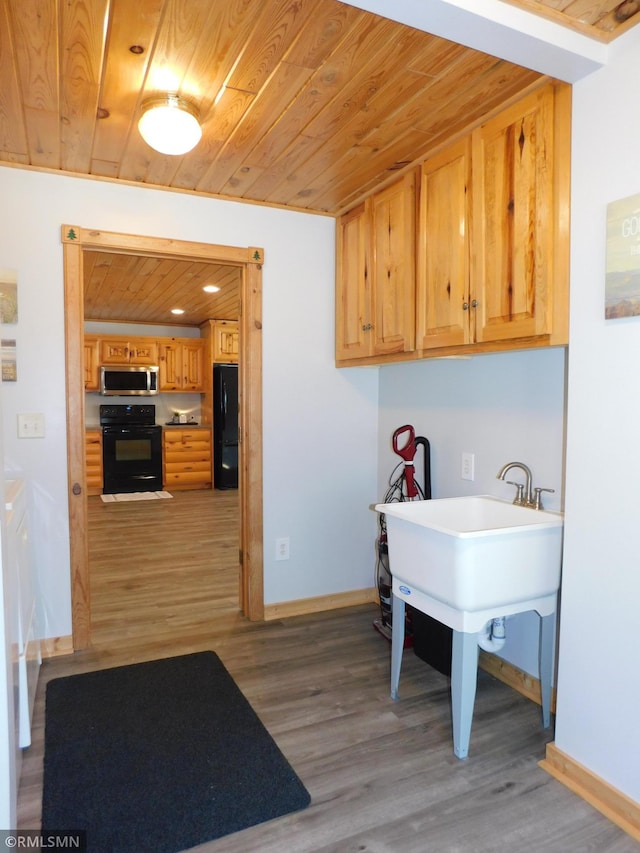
(169, 125)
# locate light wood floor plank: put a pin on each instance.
(382, 774)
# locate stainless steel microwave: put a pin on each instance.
(128, 380)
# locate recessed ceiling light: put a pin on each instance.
(177, 311)
(210, 288)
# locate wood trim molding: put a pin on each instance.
(54, 647)
(514, 677)
(302, 606)
(250, 475)
(75, 241)
(613, 804)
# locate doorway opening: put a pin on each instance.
(76, 242)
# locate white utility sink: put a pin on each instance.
(465, 561)
(474, 553)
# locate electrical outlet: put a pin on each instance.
(468, 465)
(282, 548)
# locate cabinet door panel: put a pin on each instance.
(353, 324)
(188, 464)
(513, 218)
(143, 352)
(188, 479)
(192, 366)
(443, 265)
(114, 352)
(93, 461)
(91, 359)
(225, 341)
(170, 361)
(393, 215)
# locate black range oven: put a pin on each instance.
(131, 449)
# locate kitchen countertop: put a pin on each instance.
(188, 426)
(92, 427)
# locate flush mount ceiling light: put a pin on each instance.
(177, 310)
(169, 124)
(210, 288)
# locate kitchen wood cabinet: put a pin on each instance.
(375, 297)
(181, 364)
(91, 363)
(443, 300)
(512, 261)
(492, 241)
(128, 351)
(93, 461)
(186, 458)
(225, 341)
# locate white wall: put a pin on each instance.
(599, 670)
(502, 408)
(318, 422)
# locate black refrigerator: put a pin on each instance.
(225, 426)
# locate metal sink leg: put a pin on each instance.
(464, 677)
(397, 642)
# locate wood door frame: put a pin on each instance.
(76, 240)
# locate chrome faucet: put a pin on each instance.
(524, 494)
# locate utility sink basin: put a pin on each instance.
(474, 553)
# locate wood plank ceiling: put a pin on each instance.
(308, 104)
(140, 289)
(602, 19)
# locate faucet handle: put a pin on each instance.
(537, 500)
(519, 498)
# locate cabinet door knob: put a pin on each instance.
(77, 489)
(474, 303)
(465, 306)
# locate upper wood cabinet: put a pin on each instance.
(131, 351)
(443, 301)
(492, 241)
(91, 362)
(181, 363)
(375, 296)
(513, 221)
(181, 360)
(225, 343)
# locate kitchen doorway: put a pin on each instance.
(76, 241)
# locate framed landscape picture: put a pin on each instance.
(622, 287)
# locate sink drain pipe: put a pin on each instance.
(493, 637)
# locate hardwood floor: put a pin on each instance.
(382, 775)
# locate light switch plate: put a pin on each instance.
(31, 425)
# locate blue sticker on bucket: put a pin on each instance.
(405, 590)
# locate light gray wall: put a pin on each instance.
(501, 408)
(320, 425)
(599, 670)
